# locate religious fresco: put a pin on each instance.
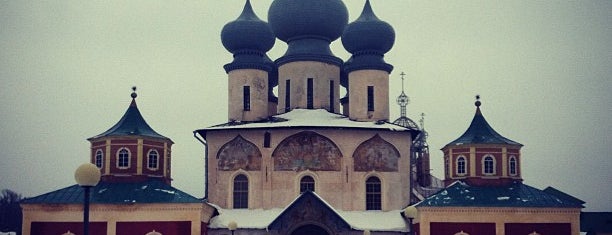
(239, 154)
(376, 154)
(307, 151)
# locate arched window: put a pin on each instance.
(512, 165)
(99, 159)
(123, 158)
(241, 192)
(153, 159)
(373, 194)
(307, 183)
(488, 165)
(461, 165)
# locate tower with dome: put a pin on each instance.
(306, 160)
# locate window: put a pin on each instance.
(246, 98)
(153, 159)
(123, 158)
(99, 159)
(241, 192)
(370, 98)
(307, 183)
(461, 166)
(373, 194)
(512, 165)
(446, 167)
(287, 95)
(488, 165)
(267, 138)
(309, 94)
(331, 96)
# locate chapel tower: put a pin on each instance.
(252, 74)
(481, 156)
(308, 73)
(368, 38)
(131, 151)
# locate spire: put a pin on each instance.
(133, 95)
(131, 124)
(422, 121)
(402, 101)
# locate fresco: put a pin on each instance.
(307, 151)
(376, 154)
(239, 154)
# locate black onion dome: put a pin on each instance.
(291, 19)
(248, 32)
(368, 33)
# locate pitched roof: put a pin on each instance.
(480, 132)
(131, 124)
(149, 191)
(517, 194)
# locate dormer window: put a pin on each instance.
(488, 165)
(123, 158)
(153, 160)
(461, 165)
(99, 158)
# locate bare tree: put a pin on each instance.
(10, 211)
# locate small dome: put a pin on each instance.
(248, 32)
(292, 19)
(368, 33)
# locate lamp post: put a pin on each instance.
(232, 226)
(411, 213)
(87, 175)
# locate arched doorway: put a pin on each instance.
(309, 229)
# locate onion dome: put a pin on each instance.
(480, 132)
(308, 26)
(368, 38)
(131, 124)
(248, 38)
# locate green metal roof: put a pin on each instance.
(517, 194)
(150, 191)
(480, 132)
(131, 124)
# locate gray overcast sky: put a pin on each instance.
(543, 68)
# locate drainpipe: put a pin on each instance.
(201, 140)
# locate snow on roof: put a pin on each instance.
(310, 118)
(359, 220)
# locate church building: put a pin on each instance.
(308, 148)
(299, 163)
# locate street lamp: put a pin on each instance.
(87, 175)
(411, 213)
(232, 226)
